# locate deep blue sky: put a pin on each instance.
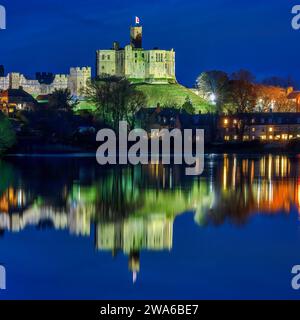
(52, 35)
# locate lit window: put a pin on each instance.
(226, 138)
(270, 129)
(253, 129)
(235, 137)
(270, 137)
(263, 137)
(235, 121)
(225, 121)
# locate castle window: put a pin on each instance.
(135, 55)
(103, 57)
(108, 57)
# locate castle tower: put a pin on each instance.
(78, 80)
(136, 36)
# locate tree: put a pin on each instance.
(116, 99)
(242, 96)
(62, 99)
(214, 83)
(242, 92)
(273, 98)
(7, 134)
(188, 106)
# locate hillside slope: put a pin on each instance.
(172, 95)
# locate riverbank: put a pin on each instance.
(255, 147)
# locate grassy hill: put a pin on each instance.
(172, 95)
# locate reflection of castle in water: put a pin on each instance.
(133, 209)
(153, 232)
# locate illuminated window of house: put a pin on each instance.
(253, 120)
(235, 137)
(284, 136)
(291, 136)
(270, 129)
(271, 137)
(246, 138)
(225, 121)
(235, 121)
(226, 138)
(263, 137)
(253, 129)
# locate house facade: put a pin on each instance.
(263, 126)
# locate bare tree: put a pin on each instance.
(116, 99)
(214, 83)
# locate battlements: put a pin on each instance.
(47, 82)
(80, 71)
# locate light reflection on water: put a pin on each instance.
(131, 209)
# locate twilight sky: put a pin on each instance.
(52, 35)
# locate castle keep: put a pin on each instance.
(135, 63)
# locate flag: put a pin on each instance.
(137, 20)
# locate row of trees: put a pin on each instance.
(238, 92)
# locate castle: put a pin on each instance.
(135, 63)
(46, 83)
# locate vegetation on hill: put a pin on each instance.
(168, 95)
(172, 95)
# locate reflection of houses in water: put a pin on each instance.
(151, 232)
(13, 200)
(267, 185)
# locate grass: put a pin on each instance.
(172, 95)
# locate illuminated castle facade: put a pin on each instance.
(135, 63)
(46, 83)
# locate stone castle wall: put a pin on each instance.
(76, 81)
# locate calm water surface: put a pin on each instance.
(72, 229)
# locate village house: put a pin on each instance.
(265, 127)
(12, 100)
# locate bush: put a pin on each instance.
(7, 134)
